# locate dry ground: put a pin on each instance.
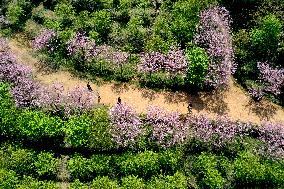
(233, 102)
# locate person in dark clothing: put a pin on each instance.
(119, 100)
(189, 107)
(99, 99)
(89, 87)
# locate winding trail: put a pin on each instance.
(233, 102)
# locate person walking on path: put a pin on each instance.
(119, 100)
(189, 107)
(89, 87)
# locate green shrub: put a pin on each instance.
(89, 131)
(170, 161)
(265, 39)
(8, 179)
(185, 17)
(205, 167)
(87, 169)
(31, 183)
(174, 82)
(104, 183)
(100, 22)
(248, 169)
(32, 29)
(125, 73)
(144, 164)
(100, 68)
(153, 80)
(80, 168)
(8, 112)
(130, 182)
(17, 13)
(46, 165)
(36, 125)
(19, 160)
(197, 67)
(134, 38)
(65, 14)
(275, 173)
(177, 181)
(78, 185)
(78, 131)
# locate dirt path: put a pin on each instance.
(233, 102)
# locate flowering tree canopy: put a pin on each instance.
(127, 126)
(213, 34)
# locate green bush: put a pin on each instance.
(100, 22)
(78, 131)
(32, 29)
(275, 173)
(170, 161)
(185, 17)
(207, 173)
(46, 165)
(31, 183)
(104, 183)
(144, 164)
(153, 80)
(177, 181)
(17, 12)
(248, 169)
(8, 179)
(65, 14)
(175, 82)
(36, 126)
(87, 131)
(100, 68)
(19, 160)
(8, 112)
(78, 185)
(197, 67)
(265, 38)
(130, 182)
(162, 38)
(125, 73)
(86, 169)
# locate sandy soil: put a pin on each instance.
(233, 102)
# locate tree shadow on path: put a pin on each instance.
(149, 94)
(211, 101)
(262, 109)
(119, 88)
(177, 97)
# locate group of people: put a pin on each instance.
(189, 107)
(99, 97)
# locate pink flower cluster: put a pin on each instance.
(53, 99)
(273, 78)
(44, 40)
(173, 62)
(82, 44)
(213, 34)
(5, 54)
(217, 132)
(168, 129)
(126, 125)
(273, 136)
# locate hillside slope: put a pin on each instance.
(232, 102)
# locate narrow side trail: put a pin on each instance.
(233, 102)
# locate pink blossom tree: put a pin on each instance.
(214, 35)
